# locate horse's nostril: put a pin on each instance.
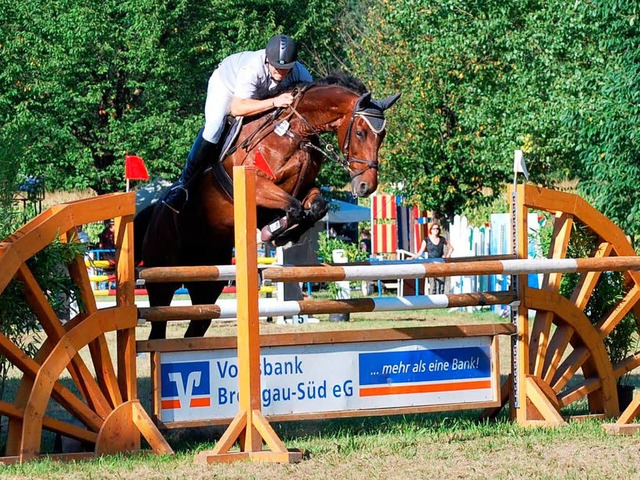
(363, 189)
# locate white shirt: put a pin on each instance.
(241, 75)
(244, 73)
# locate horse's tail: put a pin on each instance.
(140, 225)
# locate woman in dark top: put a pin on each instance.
(435, 246)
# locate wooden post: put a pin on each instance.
(535, 405)
(249, 426)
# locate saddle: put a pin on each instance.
(230, 134)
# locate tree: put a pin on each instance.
(607, 118)
(92, 81)
(479, 80)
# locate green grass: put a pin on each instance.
(419, 446)
(433, 446)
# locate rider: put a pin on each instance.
(232, 89)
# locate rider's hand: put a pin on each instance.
(283, 100)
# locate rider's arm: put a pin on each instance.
(242, 107)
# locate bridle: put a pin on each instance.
(342, 157)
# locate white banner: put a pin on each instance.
(300, 379)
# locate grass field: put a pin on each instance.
(434, 446)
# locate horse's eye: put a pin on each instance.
(360, 134)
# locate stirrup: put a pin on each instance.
(167, 201)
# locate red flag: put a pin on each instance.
(134, 168)
(262, 164)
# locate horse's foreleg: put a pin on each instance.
(275, 198)
(315, 207)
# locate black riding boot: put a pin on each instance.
(201, 154)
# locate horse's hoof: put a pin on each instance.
(273, 229)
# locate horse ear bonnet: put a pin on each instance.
(373, 110)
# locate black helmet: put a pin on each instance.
(282, 52)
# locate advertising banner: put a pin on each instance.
(303, 379)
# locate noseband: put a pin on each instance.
(347, 141)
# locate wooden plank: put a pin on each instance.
(449, 407)
(99, 350)
(9, 264)
(568, 368)
(580, 390)
(118, 433)
(97, 324)
(622, 308)
(330, 337)
(267, 433)
(617, 429)
(549, 395)
(62, 395)
(245, 219)
(51, 424)
(156, 394)
(541, 331)
(631, 412)
(149, 431)
(51, 325)
(627, 365)
(589, 337)
(555, 352)
(539, 343)
(588, 281)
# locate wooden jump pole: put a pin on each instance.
(273, 307)
(249, 427)
(424, 270)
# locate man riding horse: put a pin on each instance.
(232, 89)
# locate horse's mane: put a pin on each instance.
(337, 77)
(343, 80)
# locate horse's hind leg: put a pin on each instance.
(202, 293)
(160, 295)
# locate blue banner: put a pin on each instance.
(415, 366)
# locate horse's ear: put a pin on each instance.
(387, 102)
(363, 102)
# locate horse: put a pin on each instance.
(286, 147)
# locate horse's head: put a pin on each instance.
(360, 139)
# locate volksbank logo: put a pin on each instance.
(185, 385)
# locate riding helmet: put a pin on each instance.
(282, 52)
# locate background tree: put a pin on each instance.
(92, 81)
(606, 118)
(479, 80)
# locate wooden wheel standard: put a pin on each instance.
(102, 408)
(564, 361)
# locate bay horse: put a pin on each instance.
(288, 151)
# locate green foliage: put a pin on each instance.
(326, 246)
(89, 82)
(17, 320)
(481, 79)
(606, 121)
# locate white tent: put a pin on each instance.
(344, 212)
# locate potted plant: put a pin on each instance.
(326, 246)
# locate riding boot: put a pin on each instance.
(200, 156)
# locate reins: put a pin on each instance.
(326, 149)
(273, 123)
